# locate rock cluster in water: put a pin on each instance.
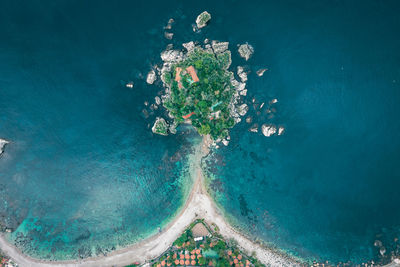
(245, 51)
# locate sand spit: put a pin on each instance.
(198, 205)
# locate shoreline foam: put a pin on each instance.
(198, 205)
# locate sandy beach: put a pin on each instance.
(198, 205)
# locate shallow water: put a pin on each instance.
(85, 175)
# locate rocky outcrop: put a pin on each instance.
(281, 130)
(242, 74)
(172, 56)
(189, 46)
(151, 77)
(245, 51)
(242, 109)
(260, 72)
(203, 19)
(169, 24)
(219, 47)
(160, 126)
(3, 143)
(268, 129)
(168, 35)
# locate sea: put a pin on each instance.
(84, 175)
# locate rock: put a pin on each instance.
(219, 47)
(169, 24)
(245, 51)
(153, 107)
(249, 119)
(158, 100)
(160, 126)
(189, 46)
(206, 41)
(254, 128)
(260, 72)
(281, 129)
(242, 109)
(396, 261)
(378, 243)
(129, 85)
(237, 119)
(240, 86)
(273, 101)
(242, 74)
(262, 104)
(172, 56)
(203, 19)
(382, 251)
(168, 35)
(146, 103)
(3, 144)
(172, 128)
(268, 129)
(151, 77)
(225, 142)
(243, 92)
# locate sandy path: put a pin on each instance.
(198, 205)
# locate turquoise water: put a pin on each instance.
(84, 174)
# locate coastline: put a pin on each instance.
(198, 205)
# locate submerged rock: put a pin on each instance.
(260, 72)
(151, 77)
(160, 126)
(168, 35)
(254, 128)
(169, 24)
(203, 19)
(158, 100)
(268, 129)
(3, 143)
(245, 51)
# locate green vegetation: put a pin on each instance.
(160, 127)
(212, 250)
(206, 100)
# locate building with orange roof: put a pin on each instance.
(210, 263)
(198, 251)
(181, 262)
(176, 262)
(239, 257)
(235, 261)
(187, 256)
(163, 263)
(193, 262)
(181, 256)
(192, 73)
(187, 262)
(229, 252)
(193, 257)
(158, 265)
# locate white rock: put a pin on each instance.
(245, 51)
(189, 46)
(129, 85)
(249, 119)
(273, 101)
(158, 100)
(3, 143)
(281, 129)
(219, 47)
(225, 142)
(146, 103)
(172, 56)
(260, 72)
(396, 261)
(151, 77)
(241, 86)
(242, 74)
(242, 109)
(243, 92)
(203, 19)
(268, 129)
(254, 128)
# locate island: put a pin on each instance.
(200, 90)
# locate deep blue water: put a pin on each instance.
(84, 173)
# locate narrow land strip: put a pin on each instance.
(198, 205)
